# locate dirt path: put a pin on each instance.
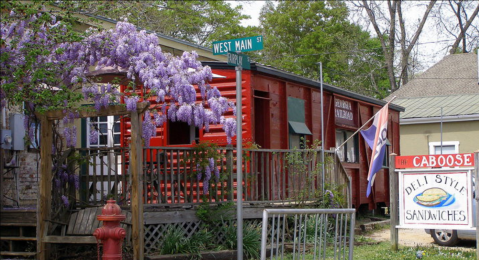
(417, 237)
(407, 237)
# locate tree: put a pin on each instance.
(200, 22)
(455, 19)
(395, 34)
(299, 34)
(45, 66)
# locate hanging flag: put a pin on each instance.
(375, 137)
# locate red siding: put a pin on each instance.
(270, 122)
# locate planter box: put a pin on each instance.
(213, 255)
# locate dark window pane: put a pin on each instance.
(116, 139)
(103, 139)
(104, 128)
(179, 133)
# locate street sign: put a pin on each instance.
(238, 60)
(238, 45)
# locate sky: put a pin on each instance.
(251, 8)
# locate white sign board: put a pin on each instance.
(435, 199)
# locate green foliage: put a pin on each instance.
(251, 239)
(174, 241)
(249, 146)
(304, 167)
(382, 251)
(333, 197)
(196, 21)
(204, 151)
(211, 214)
(299, 34)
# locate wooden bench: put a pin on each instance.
(81, 226)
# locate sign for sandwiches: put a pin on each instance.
(439, 197)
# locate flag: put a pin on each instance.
(375, 137)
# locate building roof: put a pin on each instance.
(452, 84)
(456, 74)
(428, 109)
(307, 81)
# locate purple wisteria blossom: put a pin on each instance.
(93, 135)
(174, 80)
(229, 125)
(149, 129)
(131, 103)
(206, 179)
(70, 135)
(65, 201)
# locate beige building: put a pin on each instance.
(442, 108)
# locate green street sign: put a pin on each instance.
(238, 60)
(238, 45)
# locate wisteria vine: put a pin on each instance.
(46, 66)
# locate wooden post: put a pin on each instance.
(1, 176)
(393, 201)
(229, 170)
(136, 187)
(45, 186)
(476, 170)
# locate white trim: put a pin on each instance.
(433, 145)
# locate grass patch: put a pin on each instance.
(382, 251)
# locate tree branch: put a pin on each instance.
(468, 23)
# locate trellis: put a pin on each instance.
(45, 185)
(155, 233)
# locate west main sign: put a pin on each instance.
(238, 45)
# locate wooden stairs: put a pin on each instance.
(18, 234)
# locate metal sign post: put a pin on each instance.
(233, 49)
(476, 193)
(239, 163)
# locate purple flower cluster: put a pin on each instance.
(204, 173)
(229, 125)
(65, 201)
(74, 180)
(93, 135)
(149, 129)
(70, 135)
(131, 102)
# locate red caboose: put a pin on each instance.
(280, 108)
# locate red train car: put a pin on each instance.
(280, 108)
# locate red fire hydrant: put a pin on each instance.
(111, 234)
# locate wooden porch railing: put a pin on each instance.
(170, 176)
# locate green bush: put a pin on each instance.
(251, 239)
(175, 242)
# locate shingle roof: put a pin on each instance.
(452, 84)
(454, 75)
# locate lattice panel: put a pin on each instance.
(154, 234)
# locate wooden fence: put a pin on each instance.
(170, 176)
